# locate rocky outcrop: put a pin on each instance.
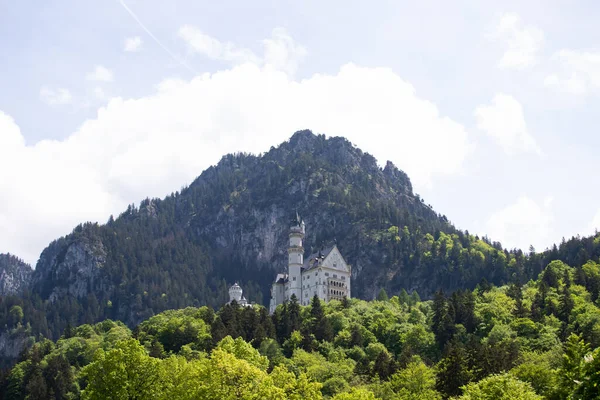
(15, 275)
(71, 266)
(12, 343)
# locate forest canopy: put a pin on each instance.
(539, 340)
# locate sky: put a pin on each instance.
(490, 107)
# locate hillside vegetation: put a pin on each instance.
(231, 224)
(539, 340)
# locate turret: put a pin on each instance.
(235, 293)
(296, 257)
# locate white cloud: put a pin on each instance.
(281, 52)
(523, 223)
(503, 121)
(55, 97)
(199, 42)
(580, 71)
(133, 44)
(522, 42)
(153, 145)
(100, 74)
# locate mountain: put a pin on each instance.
(231, 224)
(15, 274)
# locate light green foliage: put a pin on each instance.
(573, 361)
(16, 381)
(125, 372)
(174, 328)
(499, 387)
(290, 345)
(319, 369)
(243, 351)
(494, 307)
(295, 388)
(355, 394)
(588, 387)
(540, 371)
(16, 314)
(415, 382)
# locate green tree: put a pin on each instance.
(382, 295)
(355, 394)
(243, 351)
(453, 370)
(320, 325)
(571, 371)
(499, 387)
(125, 372)
(415, 382)
(16, 315)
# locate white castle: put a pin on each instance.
(236, 293)
(325, 273)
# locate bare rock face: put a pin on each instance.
(15, 275)
(70, 267)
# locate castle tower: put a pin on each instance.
(296, 258)
(235, 293)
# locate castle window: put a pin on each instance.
(343, 277)
(294, 278)
(335, 275)
(326, 273)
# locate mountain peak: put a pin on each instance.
(304, 140)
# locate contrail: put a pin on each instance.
(173, 56)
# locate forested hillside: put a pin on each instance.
(231, 224)
(539, 340)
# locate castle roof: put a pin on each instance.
(312, 261)
(281, 278)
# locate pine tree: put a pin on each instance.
(266, 322)
(404, 297)
(229, 317)
(453, 371)
(515, 291)
(294, 319)
(565, 305)
(382, 295)
(320, 325)
(443, 319)
(345, 303)
(218, 330)
(414, 298)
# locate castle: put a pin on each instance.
(236, 294)
(325, 273)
